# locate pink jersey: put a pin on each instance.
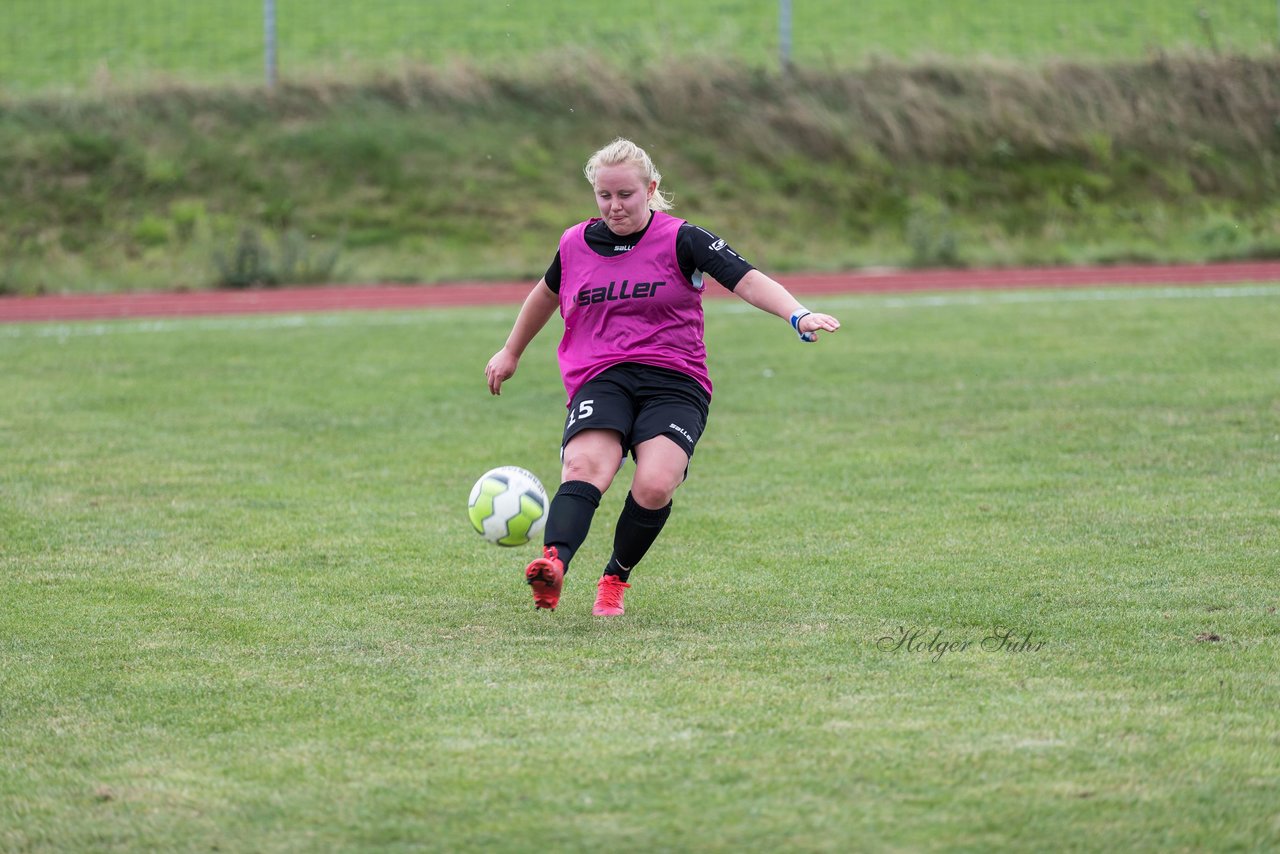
(636, 306)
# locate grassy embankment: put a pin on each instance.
(461, 173)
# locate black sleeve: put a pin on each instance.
(553, 274)
(699, 249)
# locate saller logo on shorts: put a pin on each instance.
(681, 431)
(626, 290)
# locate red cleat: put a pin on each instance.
(609, 591)
(546, 576)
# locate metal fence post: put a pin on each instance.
(269, 42)
(784, 33)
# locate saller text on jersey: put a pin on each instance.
(639, 290)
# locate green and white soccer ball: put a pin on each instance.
(508, 506)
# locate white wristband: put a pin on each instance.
(796, 317)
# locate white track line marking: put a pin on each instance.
(982, 298)
(415, 317)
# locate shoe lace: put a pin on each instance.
(611, 590)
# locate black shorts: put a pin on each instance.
(640, 402)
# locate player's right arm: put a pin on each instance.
(538, 307)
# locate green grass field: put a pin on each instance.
(241, 607)
(75, 44)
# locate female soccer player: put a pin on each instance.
(629, 287)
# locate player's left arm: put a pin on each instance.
(769, 295)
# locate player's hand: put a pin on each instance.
(500, 369)
(813, 323)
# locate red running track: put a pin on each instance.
(386, 297)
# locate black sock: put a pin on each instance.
(569, 518)
(636, 530)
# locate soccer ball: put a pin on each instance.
(508, 506)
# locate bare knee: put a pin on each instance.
(654, 490)
(588, 468)
(593, 459)
(660, 468)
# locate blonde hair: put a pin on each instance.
(624, 152)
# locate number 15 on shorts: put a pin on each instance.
(584, 410)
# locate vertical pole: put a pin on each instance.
(784, 33)
(269, 42)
